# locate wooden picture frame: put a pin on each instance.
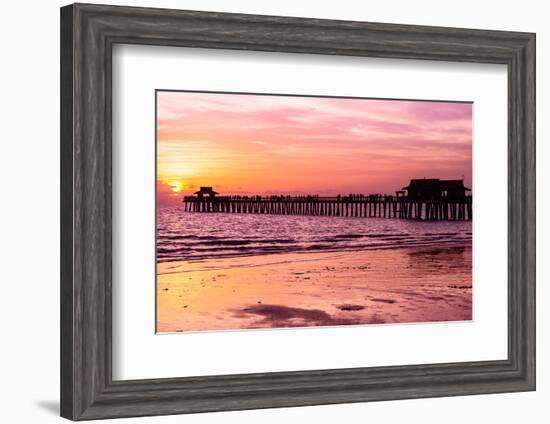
(88, 33)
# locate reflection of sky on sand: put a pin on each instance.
(420, 284)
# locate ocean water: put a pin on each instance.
(194, 236)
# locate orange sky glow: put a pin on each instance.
(262, 144)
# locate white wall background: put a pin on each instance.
(29, 212)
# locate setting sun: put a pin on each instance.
(175, 185)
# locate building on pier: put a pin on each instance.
(206, 192)
(436, 189)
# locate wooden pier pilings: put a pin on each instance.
(378, 206)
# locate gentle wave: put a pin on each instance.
(188, 236)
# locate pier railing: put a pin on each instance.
(375, 206)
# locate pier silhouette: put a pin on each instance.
(423, 199)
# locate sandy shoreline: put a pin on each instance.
(422, 284)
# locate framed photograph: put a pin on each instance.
(262, 211)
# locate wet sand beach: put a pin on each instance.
(398, 285)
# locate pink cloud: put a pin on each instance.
(259, 143)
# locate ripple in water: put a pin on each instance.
(192, 236)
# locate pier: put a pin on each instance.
(405, 204)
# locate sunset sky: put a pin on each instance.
(261, 144)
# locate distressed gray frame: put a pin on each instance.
(88, 33)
